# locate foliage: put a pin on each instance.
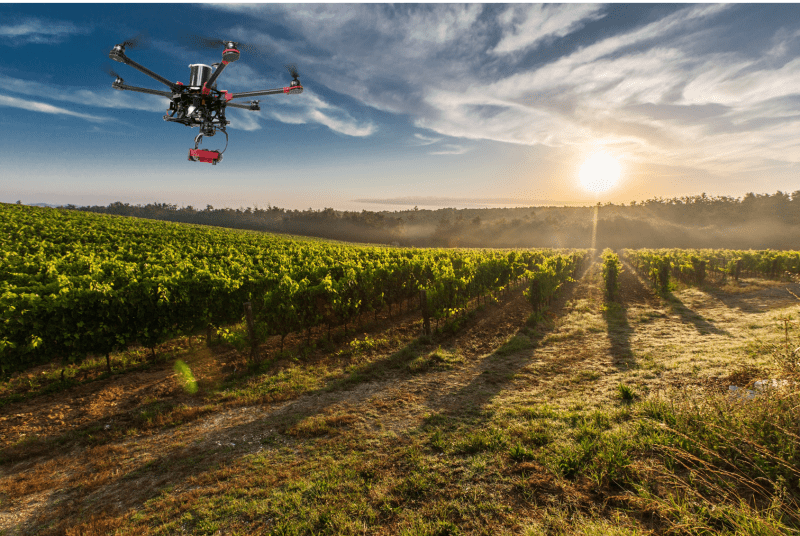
(611, 271)
(692, 266)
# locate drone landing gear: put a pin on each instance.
(208, 157)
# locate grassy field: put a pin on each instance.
(607, 418)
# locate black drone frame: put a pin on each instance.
(200, 104)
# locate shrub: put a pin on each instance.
(612, 268)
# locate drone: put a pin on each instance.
(200, 103)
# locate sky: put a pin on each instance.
(435, 105)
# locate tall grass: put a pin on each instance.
(728, 465)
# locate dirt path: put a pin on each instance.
(586, 349)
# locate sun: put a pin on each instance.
(599, 173)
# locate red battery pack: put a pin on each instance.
(201, 155)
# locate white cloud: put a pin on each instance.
(528, 25)
(108, 98)
(450, 149)
(336, 120)
(425, 140)
(38, 31)
(242, 119)
(721, 82)
(46, 108)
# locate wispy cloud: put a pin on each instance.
(107, 98)
(46, 108)
(526, 26)
(450, 149)
(243, 119)
(38, 31)
(421, 139)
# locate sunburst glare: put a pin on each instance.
(600, 172)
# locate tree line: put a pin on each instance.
(753, 221)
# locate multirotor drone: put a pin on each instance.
(200, 103)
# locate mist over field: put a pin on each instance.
(756, 221)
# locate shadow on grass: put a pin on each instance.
(619, 333)
(688, 316)
(754, 301)
(497, 370)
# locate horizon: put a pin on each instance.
(431, 204)
(431, 105)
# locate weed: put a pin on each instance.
(438, 442)
(516, 343)
(537, 436)
(544, 411)
(490, 439)
(367, 345)
(520, 452)
(585, 376)
(626, 393)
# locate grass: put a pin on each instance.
(414, 436)
(517, 343)
(626, 393)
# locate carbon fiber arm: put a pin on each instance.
(252, 106)
(276, 91)
(126, 87)
(118, 54)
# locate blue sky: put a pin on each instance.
(430, 104)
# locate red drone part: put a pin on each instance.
(200, 104)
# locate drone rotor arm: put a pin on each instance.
(210, 82)
(118, 54)
(276, 91)
(252, 106)
(126, 87)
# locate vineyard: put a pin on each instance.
(129, 281)
(351, 389)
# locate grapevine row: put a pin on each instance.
(74, 284)
(694, 266)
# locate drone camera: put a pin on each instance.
(202, 155)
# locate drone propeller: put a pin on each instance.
(207, 42)
(292, 68)
(140, 40)
(107, 68)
